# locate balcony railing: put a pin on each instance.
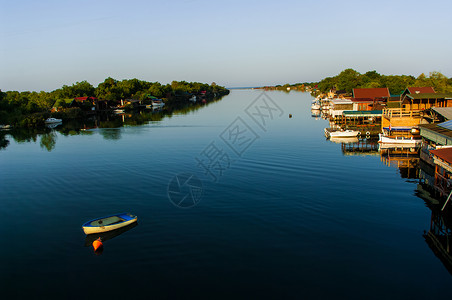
(390, 113)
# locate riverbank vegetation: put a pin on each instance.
(30, 109)
(350, 79)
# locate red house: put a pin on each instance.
(372, 93)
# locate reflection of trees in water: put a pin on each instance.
(48, 141)
(25, 135)
(110, 124)
(111, 133)
(3, 142)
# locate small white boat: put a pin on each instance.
(53, 120)
(341, 133)
(108, 223)
(399, 140)
(157, 102)
(315, 106)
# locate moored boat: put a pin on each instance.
(108, 223)
(399, 140)
(53, 120)
(341, 133)
(157, 102)
(105, 236)
(315, 106)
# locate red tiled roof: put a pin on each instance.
(421, 90)
(371, 93)
(444, 154)
(84, 98)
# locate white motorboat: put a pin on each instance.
(315, 106)
(341, 133)
(53, 120)
(157, 102)
(399, 141)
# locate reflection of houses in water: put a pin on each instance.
(439, 235)
(435, 136)
(406, 160)
(360, 147)
(439, 238)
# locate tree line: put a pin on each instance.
(349, 79)
(21, 108)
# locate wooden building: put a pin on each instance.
(365, 104)
(417, 90)
(442, 159)
(419, 102)
(407, 111)
(434, 136)
(338, 106)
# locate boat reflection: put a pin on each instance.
(105, 236)
(315, 113)
(53, 125)
(346, 140)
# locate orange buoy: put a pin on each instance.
(97, 244)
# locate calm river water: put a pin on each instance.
(271, 210)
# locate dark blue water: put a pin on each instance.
(284, 214)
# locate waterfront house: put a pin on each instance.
(337, 106)
(372, 93)
(434, 136)
(417, 90)
(363, 114)
(92, 103)
(365, 104)
(424, 101)
(368, 122)
(442, 159)
(408, 111)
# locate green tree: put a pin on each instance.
(108, 90)
(440, 82)
(348, 80)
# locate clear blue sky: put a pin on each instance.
(48, 43)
